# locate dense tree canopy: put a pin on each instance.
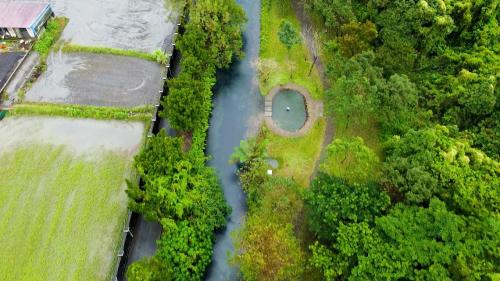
(435, 162)
(184, 196)
(332, 202)
(221, 24)
(427, 71)
(448, 49)
(411, 243)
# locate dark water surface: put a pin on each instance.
(237, 102)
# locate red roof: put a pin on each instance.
(19, 15)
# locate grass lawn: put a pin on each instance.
(297, 156)
(273, 51)
(61, 216)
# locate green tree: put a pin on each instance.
(175, 186)
(267, 251)
(353, 96)
(186, 250)
(436, 162)
(188, 103)
(332, 202)
(219, 24)
(412, 243)
(351, 160)
(289, 37)
(148, 269)
(356, 37)
(398, 106)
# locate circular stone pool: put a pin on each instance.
(289, 110)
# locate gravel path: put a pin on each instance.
(308, 35)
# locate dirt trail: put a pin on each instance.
(308, 35)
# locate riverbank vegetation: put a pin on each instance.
(62, 213)
(179, 190)
(410, 187)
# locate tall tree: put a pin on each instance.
(188, 103)
(289, 37)
(222, 23)
(268, 251)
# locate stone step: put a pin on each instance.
(268, 114)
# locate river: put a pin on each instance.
(237, 105)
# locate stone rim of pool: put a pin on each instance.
(312, 110)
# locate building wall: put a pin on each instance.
(42, 19)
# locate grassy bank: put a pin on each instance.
(156, 56)
(142, 113)
(61, 214)
(50, 36)
(297, 156)
(274, 57)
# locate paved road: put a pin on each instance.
(8, 62)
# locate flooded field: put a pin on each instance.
(62, 193)
(126, 24)
(101, 80)
(141, 25)
(80, 136)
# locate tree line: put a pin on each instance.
(178, 190)
(427, 72)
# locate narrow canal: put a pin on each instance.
(237, 103)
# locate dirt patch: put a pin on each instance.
(101, 80)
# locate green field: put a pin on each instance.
(60, 216)
(62, 199)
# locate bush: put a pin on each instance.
(51, 34)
